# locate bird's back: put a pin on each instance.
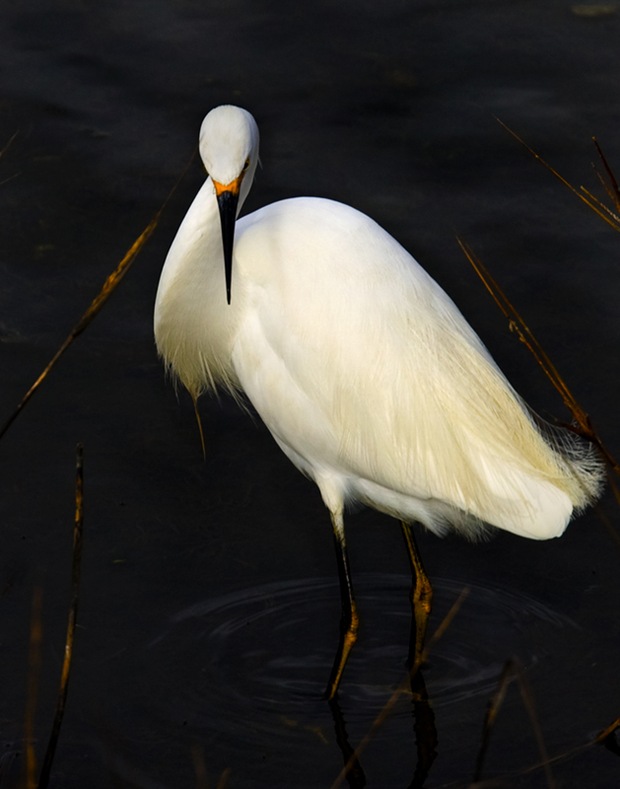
(371, 380)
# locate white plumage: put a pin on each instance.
(363, 369)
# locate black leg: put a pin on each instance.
(353, 771)
(424, 728)
(349, 621)
(421, 598)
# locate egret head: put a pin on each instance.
(229, 149)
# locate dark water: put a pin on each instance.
(209, 605)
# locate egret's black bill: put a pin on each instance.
(227, 201)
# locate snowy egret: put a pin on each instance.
(362, 368)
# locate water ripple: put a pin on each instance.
(264, 653)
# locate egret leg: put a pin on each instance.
(421, 597)
(349, 620)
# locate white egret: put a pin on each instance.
(362, 368)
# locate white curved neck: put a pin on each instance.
(193, 322)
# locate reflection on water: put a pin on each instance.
(252, 638)
(251, 666)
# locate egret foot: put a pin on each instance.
(348, 636)
(421, 599)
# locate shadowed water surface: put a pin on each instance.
(209, 605)
(259, 663)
